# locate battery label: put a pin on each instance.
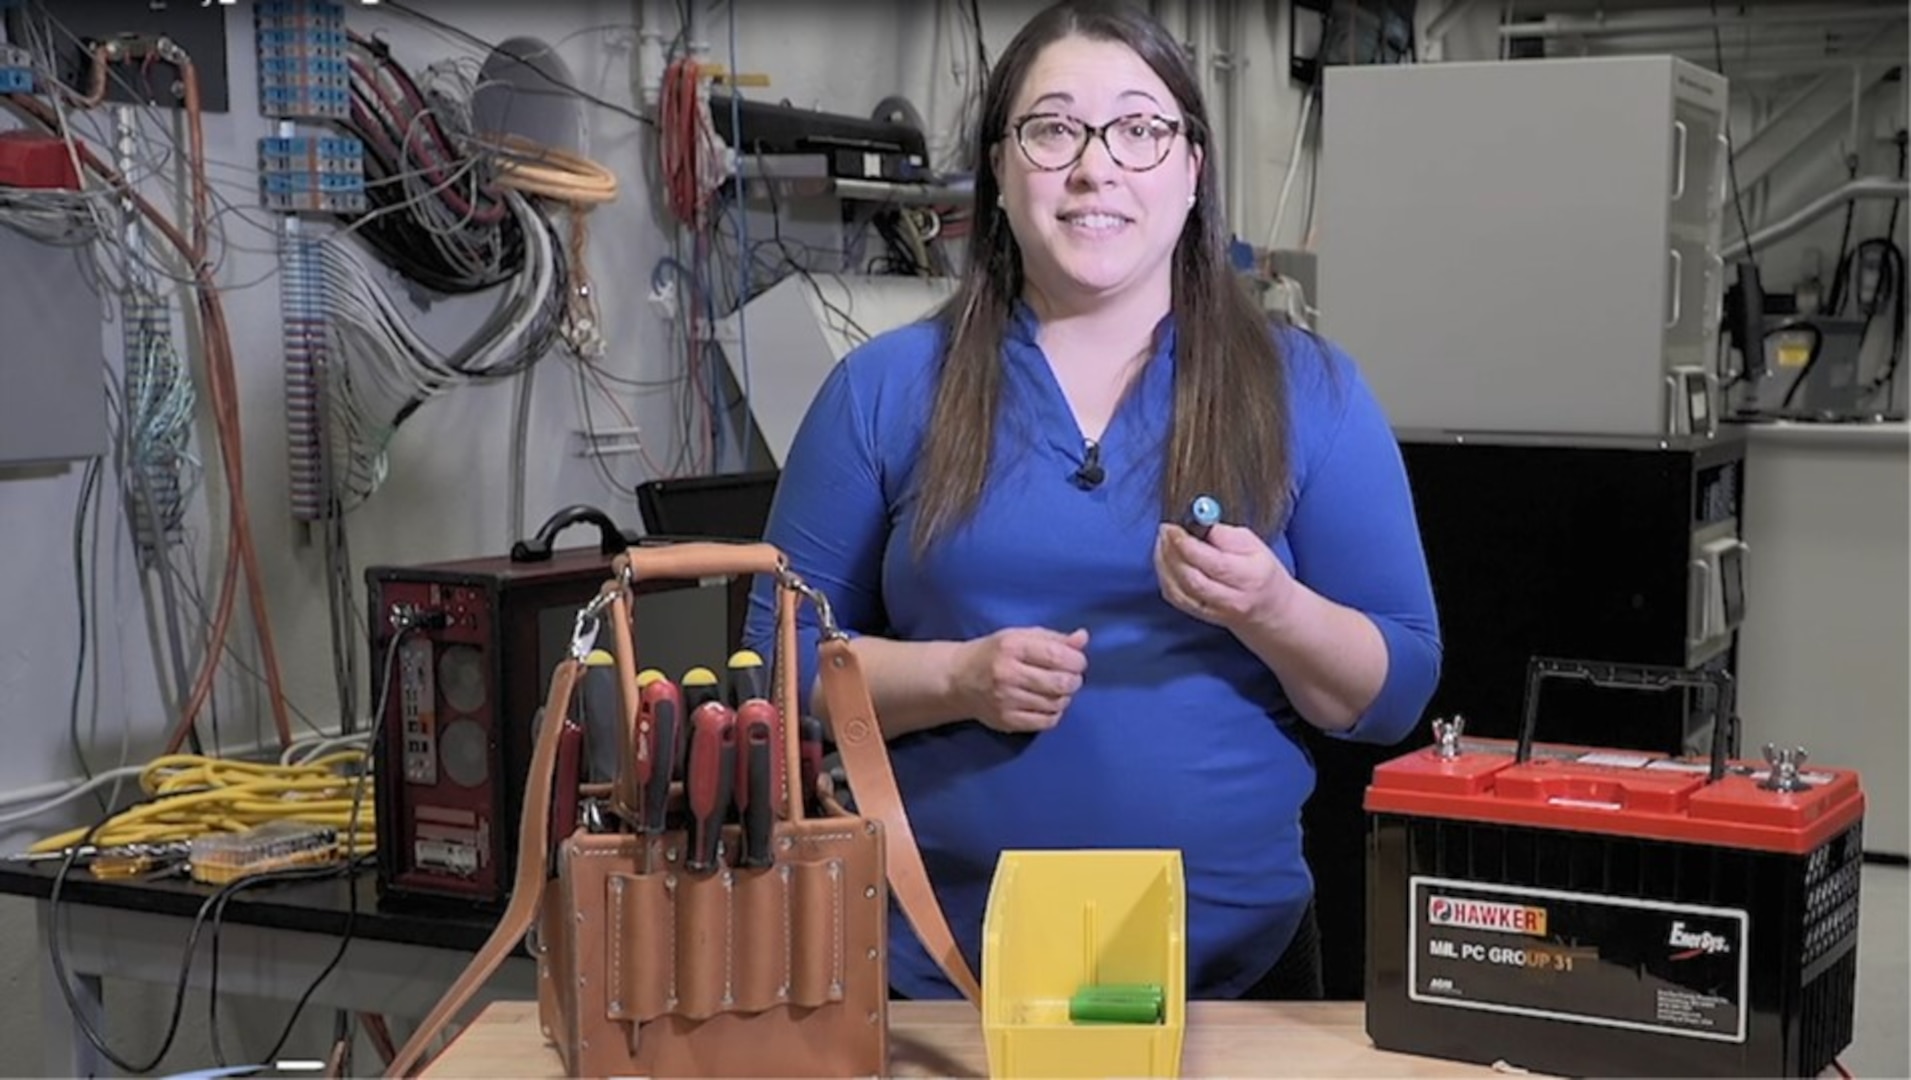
(1678, 969)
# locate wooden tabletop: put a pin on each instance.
(944, 1038)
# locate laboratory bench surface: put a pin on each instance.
(944, 1038)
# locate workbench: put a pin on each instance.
(944, 1038)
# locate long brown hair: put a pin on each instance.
(1230, 429)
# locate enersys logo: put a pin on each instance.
(1485, 915)
(1695, 943)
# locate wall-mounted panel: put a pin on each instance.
(51, 358)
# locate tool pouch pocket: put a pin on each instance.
(650, 969)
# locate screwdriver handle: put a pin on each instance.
(601, 714)
(748, 680)
(755, 790)
(699, 685)
(660, 708)
(707, 781)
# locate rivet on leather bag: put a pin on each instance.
(655, 959)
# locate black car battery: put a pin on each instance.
(1590, 912)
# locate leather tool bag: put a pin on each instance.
(652, 961)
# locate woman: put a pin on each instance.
(991, 500)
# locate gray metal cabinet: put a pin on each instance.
(1527, 246)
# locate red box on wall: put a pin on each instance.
(30, 160)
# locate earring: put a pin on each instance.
(1191, 200)
(1001, 203)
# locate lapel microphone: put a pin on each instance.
(1091, 474)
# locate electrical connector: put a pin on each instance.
(222, 858)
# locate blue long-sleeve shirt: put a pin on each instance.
(1179, 736)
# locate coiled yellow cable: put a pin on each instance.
(215, 795)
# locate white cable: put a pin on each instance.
(311, 749)
(111, 776)
(381, 365)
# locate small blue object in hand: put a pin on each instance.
(1203, 513)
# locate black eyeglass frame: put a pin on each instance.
(1091, 132)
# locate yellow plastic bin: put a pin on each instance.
(1062, 921)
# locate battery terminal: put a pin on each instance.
(1446, 737)
(1784, 774)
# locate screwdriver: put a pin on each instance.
(748, 680)
(1203, 514)
(706, 782)
(755, 722)
(601, 716)
(699, 685)
(659, 709)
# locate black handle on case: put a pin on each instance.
(610, 539)
(1717, 686)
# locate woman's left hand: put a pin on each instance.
(1232, 579)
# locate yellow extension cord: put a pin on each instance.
(224, 796)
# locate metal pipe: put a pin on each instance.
(1869, 187)
(1798, 43)
(1234, 68)
(1785, 69)
(1647, 23)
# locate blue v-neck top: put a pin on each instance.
(1179, 737)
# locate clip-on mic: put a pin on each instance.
(1091, 474)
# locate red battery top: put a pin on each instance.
(1623, 793)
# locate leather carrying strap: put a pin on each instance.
(527, 888)
(873, 782)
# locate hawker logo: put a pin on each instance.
(1481, 915)
(1695, 944)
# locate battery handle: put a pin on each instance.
(1717, 686)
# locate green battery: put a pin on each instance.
(1126, 1003)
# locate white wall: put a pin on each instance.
(447, 496)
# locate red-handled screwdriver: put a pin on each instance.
(756, 721)
(707, 780)
(660, 712)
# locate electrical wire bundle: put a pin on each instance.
(436, 213)
(382, 370)
(158, 406)
(580, 184)
(52, 217)
(191, 796)
(692, 157)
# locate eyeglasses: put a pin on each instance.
(1137, 142)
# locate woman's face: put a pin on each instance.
(1100, 224)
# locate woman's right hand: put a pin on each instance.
(1020, 679)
